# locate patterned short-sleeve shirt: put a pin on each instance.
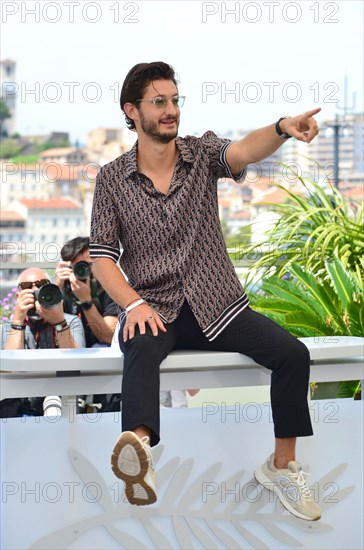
(171, 246)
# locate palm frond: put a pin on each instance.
(312, 227)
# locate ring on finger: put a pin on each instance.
(151, 317)
(305, 116)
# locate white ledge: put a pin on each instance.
(37, 372)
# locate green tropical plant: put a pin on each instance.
(308, 307)
(314, 225)
(310, 267)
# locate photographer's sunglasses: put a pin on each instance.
(26, 285)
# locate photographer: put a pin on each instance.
(37, 326)
(83, 295)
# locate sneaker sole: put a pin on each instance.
(129, 462)
(267, 484)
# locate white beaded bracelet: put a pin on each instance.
(134, 304)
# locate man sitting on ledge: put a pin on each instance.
(158, 204)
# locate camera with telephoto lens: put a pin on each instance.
(82, 270)
(48, 296)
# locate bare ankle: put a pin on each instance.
(280, 464)
(285, 450)
(143, 431)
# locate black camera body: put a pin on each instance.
(48, 296)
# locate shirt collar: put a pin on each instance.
(131, 161)
(184, 149)
(131, 165)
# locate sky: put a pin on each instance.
(241, 65)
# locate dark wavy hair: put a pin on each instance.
(71, 249)
(138, 79)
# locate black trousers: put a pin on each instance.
(249, 333)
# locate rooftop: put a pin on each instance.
(61, 204)
(10, 215)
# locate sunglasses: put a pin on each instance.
(161, 102)
(26, 285)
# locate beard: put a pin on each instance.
(151, 129)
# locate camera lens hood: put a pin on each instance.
(48, 295)
(82, 270)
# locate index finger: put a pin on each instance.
(313, 112)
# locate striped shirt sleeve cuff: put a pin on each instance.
(104, 251)
(238, 178)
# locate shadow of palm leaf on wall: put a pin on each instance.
(212, 523)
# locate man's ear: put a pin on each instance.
(131, 111)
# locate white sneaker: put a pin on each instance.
(132, 461)
(289, 484)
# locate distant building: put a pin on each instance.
(9, 90)
(63, 155)
(45, 180)
(238, 219)
(12, 227)
(51, 221)
(106, 144)
(33, 144)
(316, 160)
(101, 136)
(60, 139)
(234, 208)
(23, 181)
(12, 233)
(267, 168)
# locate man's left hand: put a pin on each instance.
(81, 289)
(302, 127)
